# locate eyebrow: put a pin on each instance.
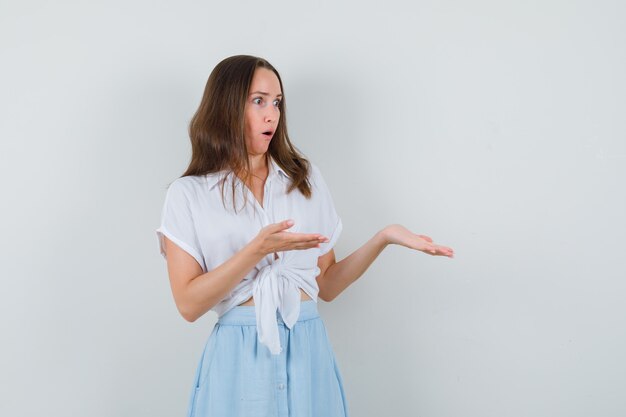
(265, 94)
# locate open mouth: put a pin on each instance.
(268, 133)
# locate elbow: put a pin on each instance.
(188, 316)
(192, 313)
(190, 319)
(325, 297)
(186, 307)
(187, 313)
(323, 293)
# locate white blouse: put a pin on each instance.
(194, 218)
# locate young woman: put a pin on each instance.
(261, 254)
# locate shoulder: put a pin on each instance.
(314, 173)
(186, 187)
(316, 178)
(190, 181)
(314, 168)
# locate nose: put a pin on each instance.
(272, 114)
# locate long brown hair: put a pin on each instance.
(217, 128)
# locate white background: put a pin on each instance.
(496, 128)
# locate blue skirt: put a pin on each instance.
(238, 377)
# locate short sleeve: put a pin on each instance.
(331, 222)
(177, 222)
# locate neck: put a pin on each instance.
(258, 163)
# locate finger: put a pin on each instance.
(306, 237)
(304, 246)
(437, 250)
(430, 249)
(285, 224)
(445, 251)
(426, 238)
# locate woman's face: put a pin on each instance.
(262, 110)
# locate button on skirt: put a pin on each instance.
(238, 377)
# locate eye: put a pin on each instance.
(277, 101)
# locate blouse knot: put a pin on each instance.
(276, 292)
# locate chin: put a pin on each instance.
(260, 149)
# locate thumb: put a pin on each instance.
(285, 224)
(427, 238)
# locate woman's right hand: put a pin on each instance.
(273, 238)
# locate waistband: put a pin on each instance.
(246, 315)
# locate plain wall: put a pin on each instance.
(496, 128)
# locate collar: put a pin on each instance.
(214, 178)
(276, 167)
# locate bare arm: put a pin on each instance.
(196, 292)
(337, 276)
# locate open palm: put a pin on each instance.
(400, 235)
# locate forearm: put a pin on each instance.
(206, 290)
(341, 274)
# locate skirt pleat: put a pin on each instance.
(239, 377)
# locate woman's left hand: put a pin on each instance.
(400, 235)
